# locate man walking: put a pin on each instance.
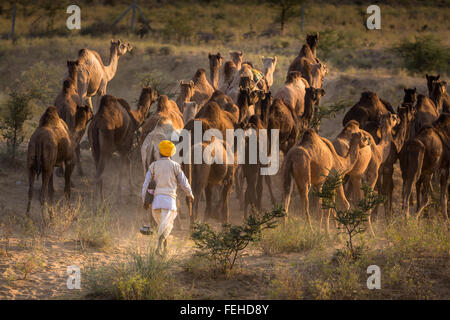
(167, 174)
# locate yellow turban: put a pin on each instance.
(167, 148)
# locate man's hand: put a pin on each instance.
(190, 198)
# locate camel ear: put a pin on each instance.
(240, 53)
(322, 92)
(317, 35)
(191, 83)
(119, 42)
(275, 59)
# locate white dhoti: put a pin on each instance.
(164, 218)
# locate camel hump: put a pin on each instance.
(124, 104)
(293, 76)
(106, 101)
(50, 117)
(67, 84)
(199, 75)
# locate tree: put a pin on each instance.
(287, 10)
(13, 116)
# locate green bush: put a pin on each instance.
(424, 54)
(223, 247)
(141, 277)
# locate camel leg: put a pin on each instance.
(443, 183)
(287, 199)
(30, 190)
(78, 160)
(208, 196)
(46, 174)
(100, 167)
(406, 195)
(51, 189)
(418, 192)
(226, 191)
(257, 196)
(269, 186)
(387, 189)
(426, 194)
(304, 201)
(67, 185)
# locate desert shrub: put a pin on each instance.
(143, 276)
(424, 54)
(328, 111)
(13, 116)
(350, 222)
(91, 227)
(223, 247)
(293, 236)
(158, 81)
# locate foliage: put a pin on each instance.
(424, 54)
(141, 277)
(287, 11)
(350, 221)
(328, 111)
(158, 81)
(13, 116)
(223, 247)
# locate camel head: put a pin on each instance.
(316, 94)
(406, 111)
(430, 80)
(410, 95)
(388, 120)
(269, 62)
(215, 60)
(186, 90)
(439, 88)
(83, 115)
(72, 67)
(121, 47)
(147, 97)
(236, 57)
(361, 138)
(189, 111)
(312, 40)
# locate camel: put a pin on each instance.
(426, 113)
(215, 62)
(269, 68)
(93, 75)
(236, 57)
(234, 87)
(445, 98)
(226, 75)
(205, 176)
(293, 92)
(186, 94)
(308, 52)
(314, 74)
(221, 99)
(428, 151)
(113, 128)
(251, 172)
(367, 109)
(68, 98)
(190, 110)
(406, 114)
(167, 110)
(248, 98)
(49, 146)
(310, 161)
(410, 95)
(202, 89)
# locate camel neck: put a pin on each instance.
(215, 77)
(352, 156)
(308, 107)
(385, 143)
(268, 74)
(437, 98)
(111, 68)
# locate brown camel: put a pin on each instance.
(205, 176)
(93, 75)
(226, 75)
(113, 128)
(367, 109)
(248, 98)
(221, 98)
(67, 100)
(307, 52)
(215, 62)
(446, 98)
(167, 110)
(406, 114)
(426, 113)
(236, 57)
(49, 146)
(310, 161)
(428, 151)
(251, 172)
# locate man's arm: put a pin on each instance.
(184, 183)
(148, 177)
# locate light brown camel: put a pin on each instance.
(248, 97)
(93, 75)
(113, 128)
(269, 65)
(426, 113)
(167, 110)
(306, 56)
(234, 87)
(221, 98)
(406, 114)
(50, 146)
(186, 93)
(367, 109)
(314, 74)
(293, 92)
(428, 151)
(206, 176)
(67, 100)
(215, 62)
(226, 75)
(190, 110)
(236, 57)
(310, 161)
(202, 89)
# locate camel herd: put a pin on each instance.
(237, 95)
